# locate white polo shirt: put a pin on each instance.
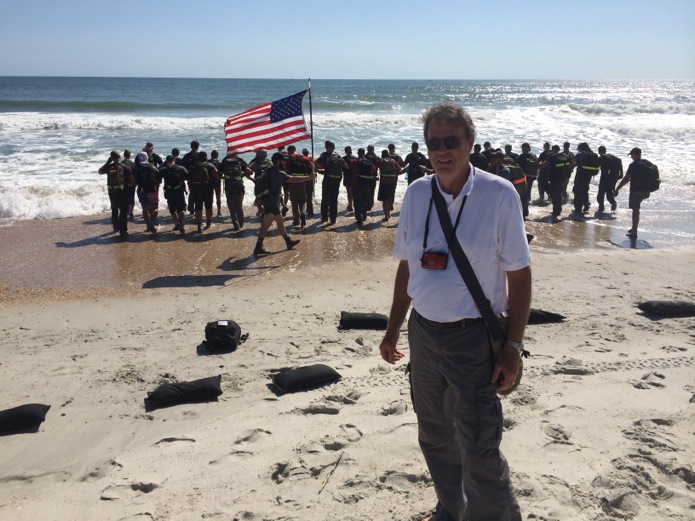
(491, 233)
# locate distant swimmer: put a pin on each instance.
(116, 180)
(643, 177)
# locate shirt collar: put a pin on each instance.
(465, 191)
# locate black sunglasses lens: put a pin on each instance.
(450, 142)
(433, 144)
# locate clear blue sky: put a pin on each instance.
(450, 39)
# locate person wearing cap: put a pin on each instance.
(611, 172)
(152, 157)
(454, 377)
(331, 165)
(149, 179)
(116, 180)
(587, 164)
(636, 195)
(258, 165)
(272, 201)
(174, 177)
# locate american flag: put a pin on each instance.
(267, 126)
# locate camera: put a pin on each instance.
(434, 260)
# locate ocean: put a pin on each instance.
(56, 132)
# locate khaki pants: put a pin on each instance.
(460, 422)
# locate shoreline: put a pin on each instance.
(78, 257)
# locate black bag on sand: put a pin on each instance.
(304, 378)
(222, 336)
(350, 320)
(25, 418)
(203, 390)
(667, 308)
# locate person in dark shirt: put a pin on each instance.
(348, 177)
(611, 172)
(478, 160)
(272, 201)
(174, 177)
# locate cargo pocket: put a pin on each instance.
(489, 418)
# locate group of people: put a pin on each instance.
(553, 168)
(202, 180)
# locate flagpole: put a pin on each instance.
(311, 121)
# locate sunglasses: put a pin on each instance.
(450, 142)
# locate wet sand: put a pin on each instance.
(81, 256)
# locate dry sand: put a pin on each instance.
(601, 427)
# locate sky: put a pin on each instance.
(343, 39)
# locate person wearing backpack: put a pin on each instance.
(348, 177)
(174, 177)
(528, 162)
(298, 166)
(116, 181)
(187, 161)
(365, 174)
(269, 186)
(638, 192)
(233, 169)
(611, 172)
(557, 166)
(331, 165)
(587, 163)
(216, 181)
(149, 179)
(388, 179)
(199, 183)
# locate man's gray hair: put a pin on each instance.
(448, 112)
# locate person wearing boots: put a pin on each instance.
(272, 201)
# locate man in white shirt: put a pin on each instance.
(454, 379)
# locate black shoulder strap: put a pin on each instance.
(464, 266)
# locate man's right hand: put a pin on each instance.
(389, 350)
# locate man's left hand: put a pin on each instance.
(506, 369)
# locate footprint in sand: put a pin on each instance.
(394, 408)
(351, 434)
(252, 436)
(126, 491)
(649, 381)
(174, 439)
(558, 434)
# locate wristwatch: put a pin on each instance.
(519, 346)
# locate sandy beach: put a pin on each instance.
(600, 429)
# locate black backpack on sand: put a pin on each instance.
(222, 336)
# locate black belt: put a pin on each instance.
(463, 323)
